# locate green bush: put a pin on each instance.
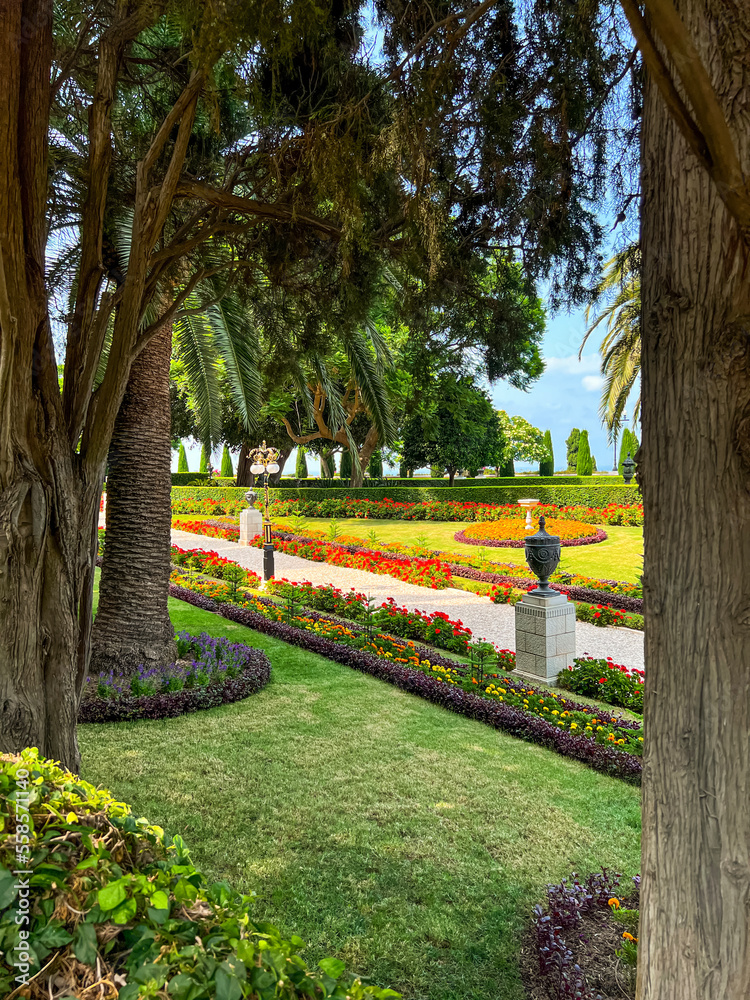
(509, 469)
(290, 482)
(227, 472)
(345, 470)
(195, 499)
(571, 446)
(605, 681)
(185, 478)
(547, 465)
(375, 468)
(111, 896)
(205, 458)
(182, 462)
(584, 465)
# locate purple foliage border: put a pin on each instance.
(254, 677)
(517, 543)
(499, 715)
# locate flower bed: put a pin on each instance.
(443, 682)
(215, 565)
(584, 941)
(117, 909)
(509, 534)
(218, 672)
(606, 680)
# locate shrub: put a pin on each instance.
(345, 469)
(509, 468)
(205, 459)
(227, 472)
(603, 614)
(606, 681)
(547, 465)
(182, 462)
(300, 469)
(584, 465)
(118, 909)
(375, 468)
(571, 446)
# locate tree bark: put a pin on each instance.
(244, 475)
(132, 624)
(281, 461)
(694, 467)
(365, 454)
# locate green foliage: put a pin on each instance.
(205, 459)
(227, 472)
(600, 679)
(346, 465)
(300, 469)
(182, 462)
(525, 441)
(584, 465)
(547, 465)
(571, 445)
(126, 894)
(626, 448)
(508, 468)
(375, 467)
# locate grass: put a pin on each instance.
(408, 841)
(618, 558)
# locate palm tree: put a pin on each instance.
(620, 349)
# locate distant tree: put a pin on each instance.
(626, 447)
(346, 464)
(571, 445)
(436, 471)
(593, 464)
(375, 467)
(584, 464)
(508, 468)
(300, 469)
(227, 471)
(205, 459)
(523, 441)
(547, 465)
(182, 462)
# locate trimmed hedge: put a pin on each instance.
(561, 496)
(186, 478)
(396, 482)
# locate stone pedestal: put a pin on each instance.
(545, 636)
(251, 524)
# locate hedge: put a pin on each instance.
(312, 483)
(186, 478)
(561, 496)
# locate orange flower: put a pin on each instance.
(628, 936)
(614, 902)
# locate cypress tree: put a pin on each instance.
(203, 467)
(625, 447)
(584, 464)
(508, 469)
(182, 462)
(226, 464)
(571, 445)
(346, 464)
(547, 465)
(300, 470)
(375, 467)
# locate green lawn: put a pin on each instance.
(408, 841)
(618, 558)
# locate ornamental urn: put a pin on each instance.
(542, 552)
(251, 496)
(628, 468)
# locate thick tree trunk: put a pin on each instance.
(132, 624)
(694, 464)
(281, 461)
(244, 475)
(451, 475)
(365, 454)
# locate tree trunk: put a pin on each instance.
(694, 464)
(244, 475)
(451, 475)
(132, 624)
(365, 454)
(284, 454)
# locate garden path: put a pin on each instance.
(495, 622)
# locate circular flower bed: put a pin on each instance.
(511, 533)
(209, 672)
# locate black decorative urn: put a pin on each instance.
(628, 468)
(251, 496)
(542, 552)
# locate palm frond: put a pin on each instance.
(194, 342)
(237, 345)
(370, 384)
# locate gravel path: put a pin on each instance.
(495, 622)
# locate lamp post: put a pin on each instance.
(264, 462)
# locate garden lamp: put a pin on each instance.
(264, 462)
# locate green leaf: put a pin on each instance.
(160, 900)
(8, 890)
(53, 935)
(85, 945)
(111, 895)
(129, 992)
(332, 967)
(227, 986)
(124, 912)
(148, 973)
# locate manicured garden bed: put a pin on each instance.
(409, 842)
(512, 534)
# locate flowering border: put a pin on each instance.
(519, 543)
(498, 715)
(254, 677)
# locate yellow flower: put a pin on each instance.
(574, 725)
(555, 712)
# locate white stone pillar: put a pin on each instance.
(545, 636)
(251, 524)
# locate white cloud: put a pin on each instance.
(570, 365)
(592, 383)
